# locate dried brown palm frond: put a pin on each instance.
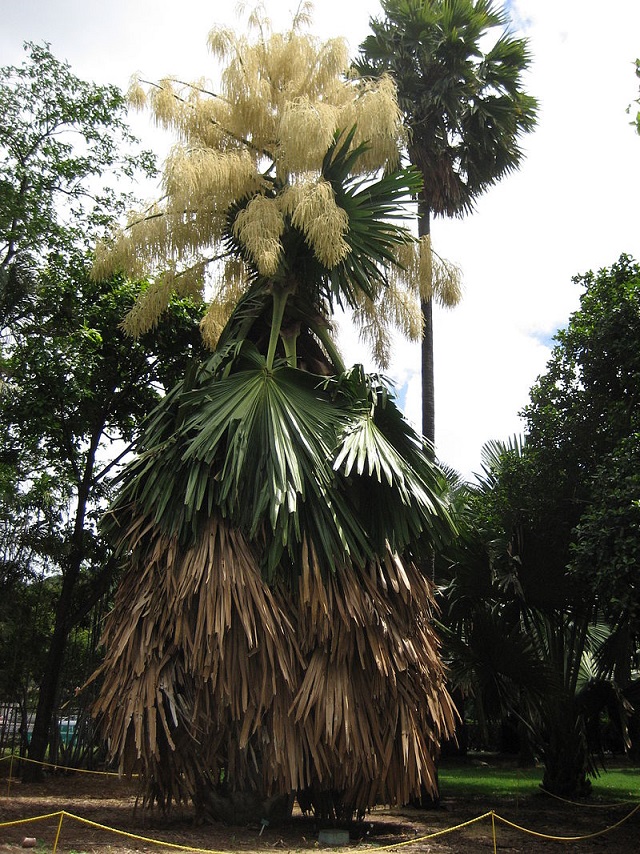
(198, 648)
(212, 675)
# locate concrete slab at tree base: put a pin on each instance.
(332, 836)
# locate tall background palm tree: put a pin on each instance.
(464, 108)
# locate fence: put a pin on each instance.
(72, 740)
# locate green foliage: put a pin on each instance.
(582, 434)
(374, 209)
(606, 547)
(293, 460)
(518, 623)
(74, 389)
(492, 649)
(551, 555)
(636, 120)
(594, 368)
(62, 142)
(73, 372)
(26, 616)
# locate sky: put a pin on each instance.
(572, 207)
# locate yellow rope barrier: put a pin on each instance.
(55, 842)
(430, 835)
(493, 815)
(29, 820)
(10, 776)
(175, 846)
(144, 838)
(583, 804)
(57, 767)
(569, 838)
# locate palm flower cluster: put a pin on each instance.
(248, 178)
(272, 632)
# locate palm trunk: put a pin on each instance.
(565, 752)
(428, 387)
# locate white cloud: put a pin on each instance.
(572, 206)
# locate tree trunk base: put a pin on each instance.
(241, 808)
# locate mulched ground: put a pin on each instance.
(112, 802)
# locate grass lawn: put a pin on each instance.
(487, 777)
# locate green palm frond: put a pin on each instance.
(263, 445)
(465, 111)
(501, 669)
(291, 461)
(392, 482)
(375, 209)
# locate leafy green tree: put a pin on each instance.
(531, 646)
(591, 414)
(76, 392)
(271, 634)
(73, 389)
(582, 412)
(460, 92)
(26, 608)
(491, 659)
(561, 520)
(606, 543)
(59, 137)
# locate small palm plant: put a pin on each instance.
(272, 633)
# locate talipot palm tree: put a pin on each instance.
(464, 109)
(272, 633)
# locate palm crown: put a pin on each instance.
(464, 109)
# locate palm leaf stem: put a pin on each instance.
(280, 296)
(322, 333)
(289, 340)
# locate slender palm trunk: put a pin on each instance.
(428, 387)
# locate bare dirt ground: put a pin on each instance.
(112, 802)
